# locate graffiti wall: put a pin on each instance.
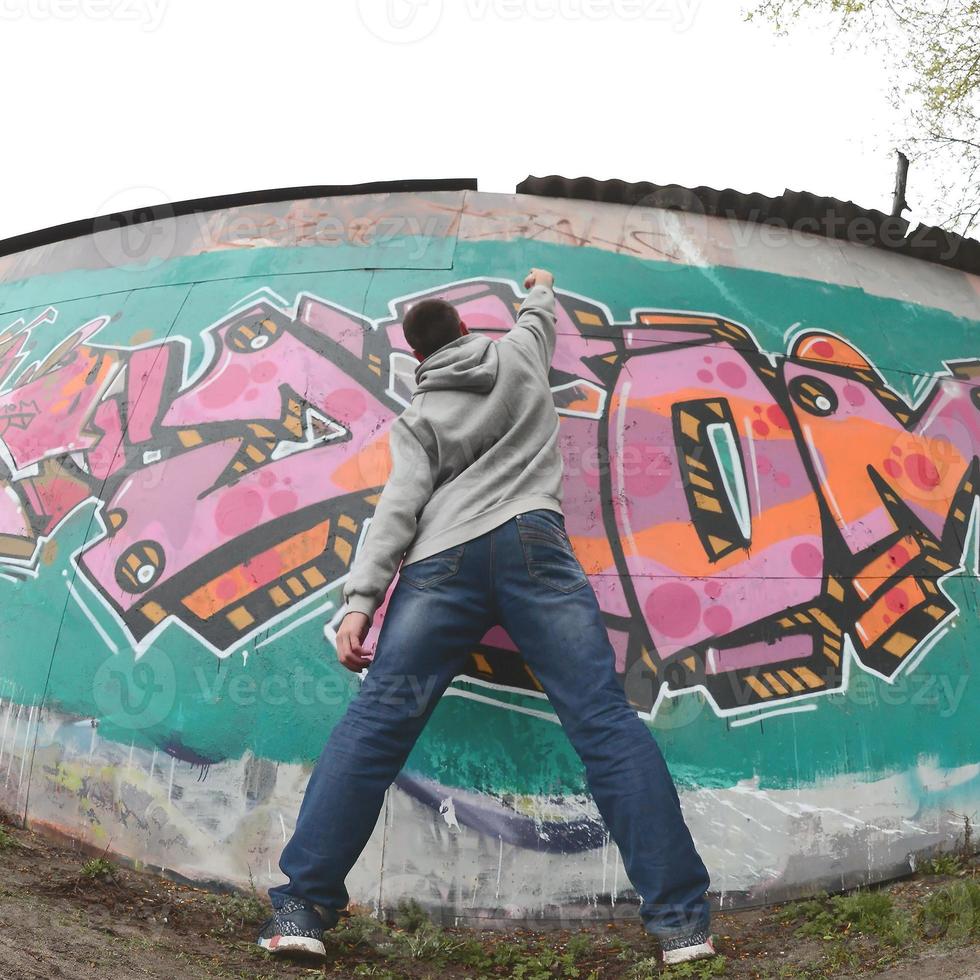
(771, 478)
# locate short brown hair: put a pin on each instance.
(431, 324)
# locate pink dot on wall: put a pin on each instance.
(345, 404)
(226, 588)
(282, 502)
(897, 601)
(647, 469)
(706, 376)
(898, 555)
(921, 471)
(731, 374)
(822, 348)
(892, 468)
(263, 372)
(265, 567)
(854, 395)
(239, 510)
(807, 559)
(782, 479)
(713, 589)
(673, 610)
(224, 388)
(777, 417)
(251, 394)
(718, 619)
(760, 428)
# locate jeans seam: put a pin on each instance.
(435, 580)
(542, 536)
(529, 565)
(557, 588)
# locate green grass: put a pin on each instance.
(236, 911)
(413, 937)
(825, 937)
(359, 932)
(7, 840)
(942, 864)
(410, 915)
(953, 911)
(865, 930)
(429, 943)
(649, 969)
(863, 913)
(97, 868)
(374, 970)
(522, 961)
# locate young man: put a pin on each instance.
(473, 503)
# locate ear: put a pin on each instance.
(462, 329)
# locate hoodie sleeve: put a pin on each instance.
(535, 327)
(393, 525)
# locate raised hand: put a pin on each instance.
(539, 277)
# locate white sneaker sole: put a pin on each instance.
(685, 954)
(294, 944)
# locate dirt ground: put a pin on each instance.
(65, 914)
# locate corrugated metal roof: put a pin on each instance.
(796, 210)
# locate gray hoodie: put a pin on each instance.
(478, 444)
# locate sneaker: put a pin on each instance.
(294, 928)
(683, 949)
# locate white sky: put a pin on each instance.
(111, 104)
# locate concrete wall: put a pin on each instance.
(771, 447)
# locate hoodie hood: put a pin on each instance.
(468, 363)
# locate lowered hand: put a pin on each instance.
(350, 637)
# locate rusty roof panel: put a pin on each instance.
(797, 210)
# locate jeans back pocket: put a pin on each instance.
(548, 552)
(426, 572)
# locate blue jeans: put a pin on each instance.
(523, 575)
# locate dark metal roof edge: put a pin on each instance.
(136, 216)
(794, 210)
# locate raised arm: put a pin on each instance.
(534, 330)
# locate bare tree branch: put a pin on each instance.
(933, 53)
